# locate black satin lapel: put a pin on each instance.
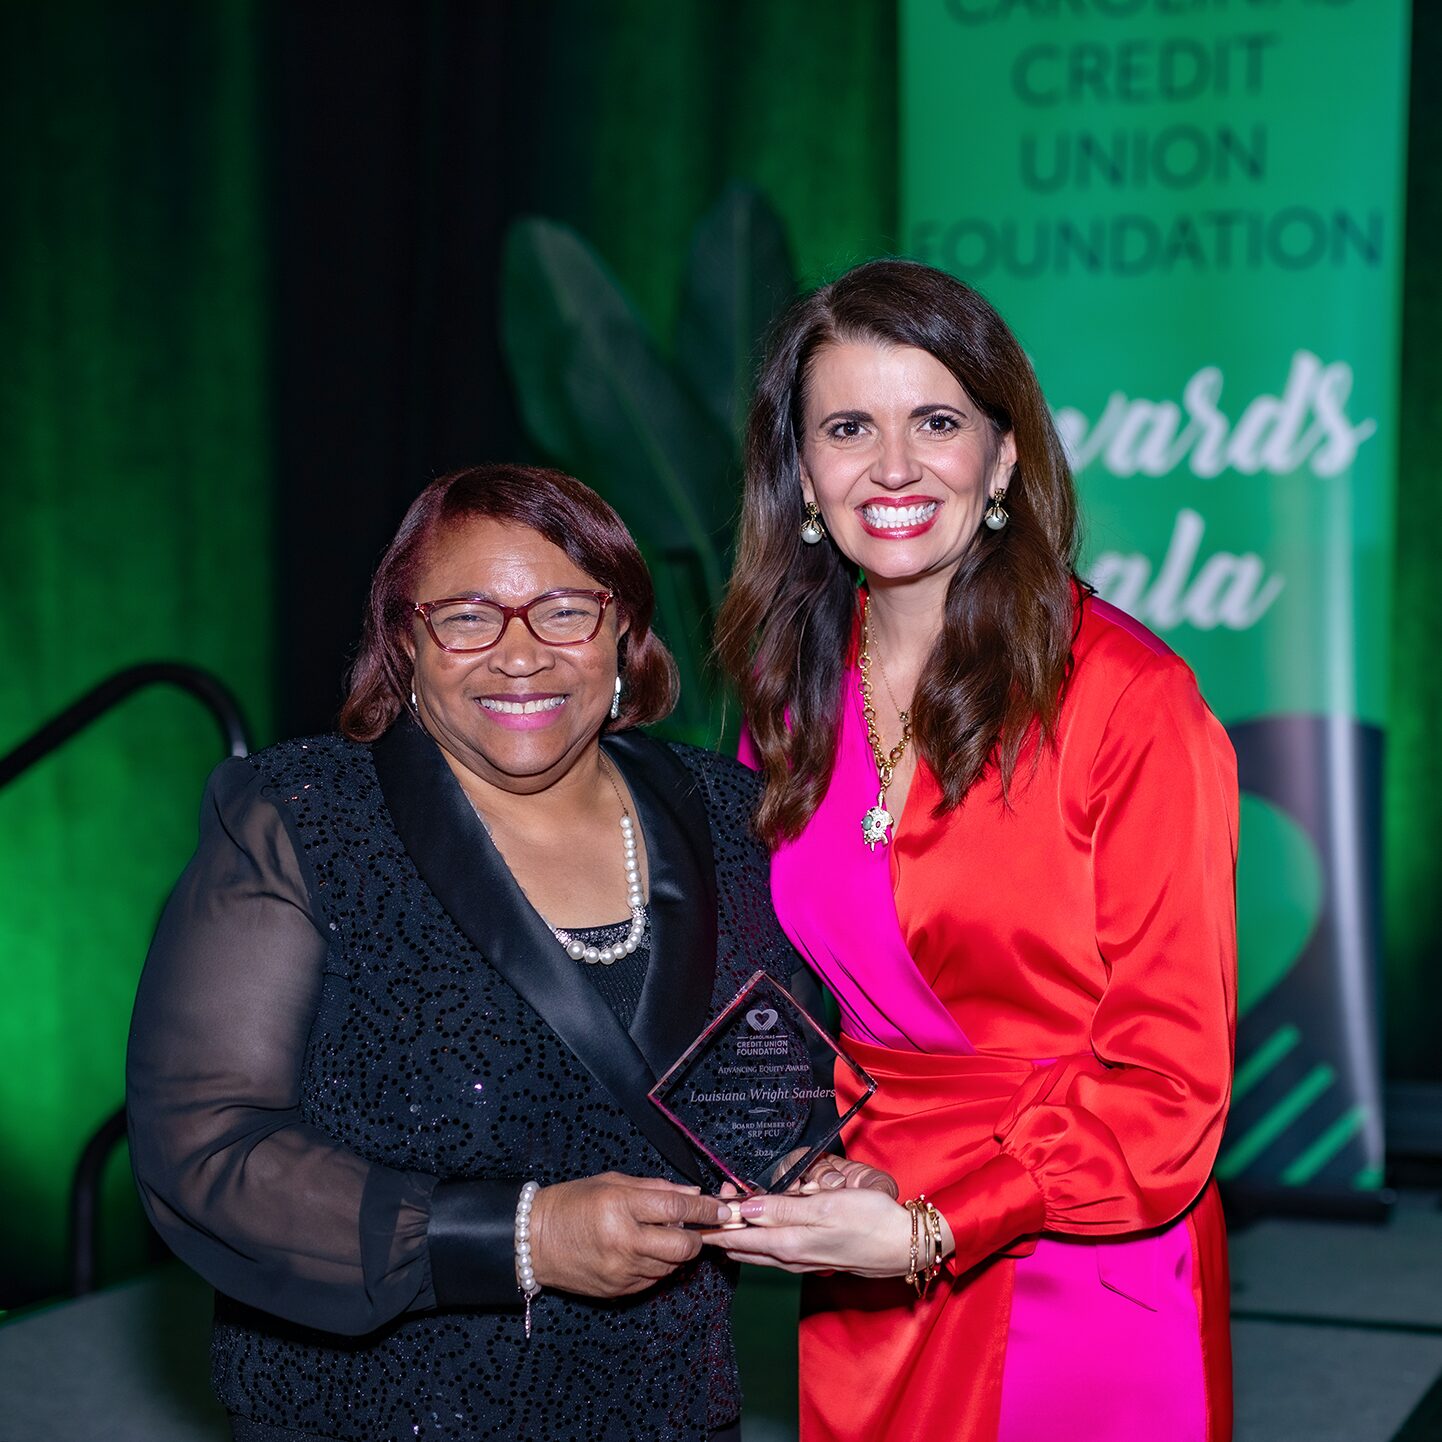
(676, 1000)
(456, 859)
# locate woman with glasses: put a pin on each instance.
(389, 1067)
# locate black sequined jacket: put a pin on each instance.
(354, 1039)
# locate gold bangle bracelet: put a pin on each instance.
(913, 1273)
(938, 1240)
(925, 1228)
(926, 1244)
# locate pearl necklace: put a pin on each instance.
(577, 949)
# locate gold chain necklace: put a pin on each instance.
(886, 681)
(878, 821)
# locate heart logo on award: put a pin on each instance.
(762, 1018)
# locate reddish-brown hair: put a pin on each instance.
(570, 516)
(997, 671)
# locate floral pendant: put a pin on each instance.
(877, 822)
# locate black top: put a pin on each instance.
(354, 1040)
(621, 982)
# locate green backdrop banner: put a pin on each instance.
(1191, 215)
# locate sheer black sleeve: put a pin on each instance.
(267, 1208)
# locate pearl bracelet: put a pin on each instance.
(526, 1281)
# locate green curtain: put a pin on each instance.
(133, 425)
(651, 106)
(133, 452)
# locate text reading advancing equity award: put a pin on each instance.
(744, 1089)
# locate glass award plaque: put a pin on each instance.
(743, 1091)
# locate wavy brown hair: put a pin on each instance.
(556, 506)
(997, 672)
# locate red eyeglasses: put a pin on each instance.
(557, 618)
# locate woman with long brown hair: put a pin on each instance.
(1003, 829)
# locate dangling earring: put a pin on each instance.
(996, 514)
(811, 528)
(616, 700)
(414, 707)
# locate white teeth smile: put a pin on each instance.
(890, 518)
(521, 708)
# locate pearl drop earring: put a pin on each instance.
(811, 528)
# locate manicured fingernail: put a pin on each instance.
(723, 1213)
(832, 1180)
(753, 1208)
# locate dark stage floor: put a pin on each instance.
(1337, 1329)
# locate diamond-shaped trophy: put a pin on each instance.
(743, 1091)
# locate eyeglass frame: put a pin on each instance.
(522, 613)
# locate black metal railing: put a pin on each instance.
(207, 689)
(216, 697)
